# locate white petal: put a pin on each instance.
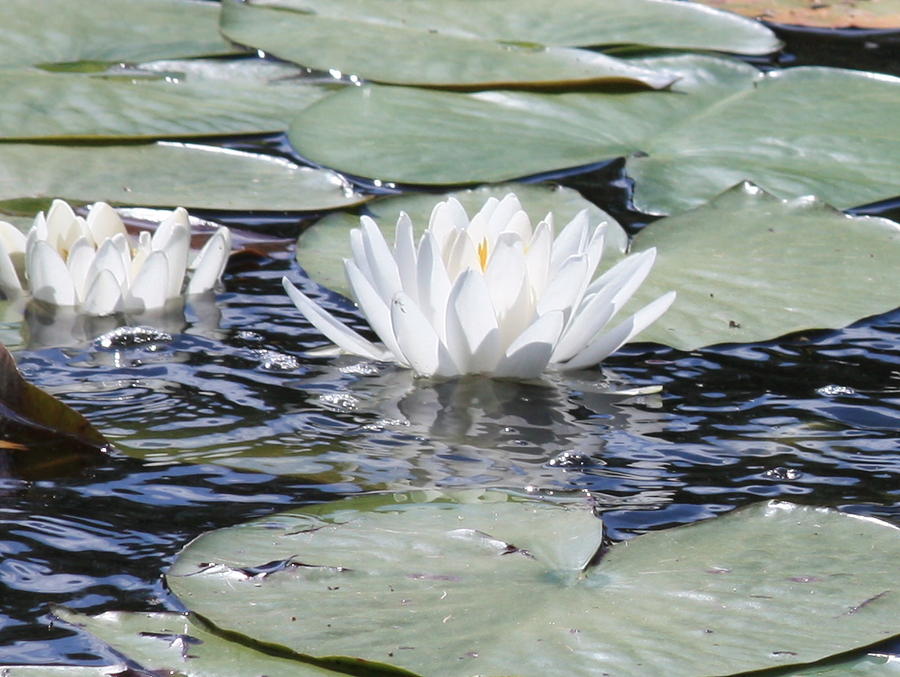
(210, 263)
(472, 303)
(173, 236)
(446, 218)
(10, 285)
(478, 226)
(405, 255)
(358, 252)
(148, 289)
(333, 329)
(103, 222)
(61, 223)
(566, 288)
(79, 261)
(505, 210)
(108, 257)
(460, 253)
(420, 345)
(104, 296)
(519, 224)
(610, 342)
(48, 276)
(12, 239)
(385, 275)
(373, 307)
(433, 282)
(529, 354)
(627, 275)
(507, 280)
(570, 241)
(537, 258)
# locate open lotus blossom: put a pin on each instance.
(93, 265)
(488, 296)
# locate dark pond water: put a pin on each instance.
(227, 418)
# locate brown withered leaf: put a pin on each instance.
(817, 13)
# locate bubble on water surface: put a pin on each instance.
(832, 390)
(782, 473)
(271, 360)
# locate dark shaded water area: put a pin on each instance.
(226, 416)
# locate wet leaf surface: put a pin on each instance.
(433, 587)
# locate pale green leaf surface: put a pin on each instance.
(168, 175)
(54, 31)
(162, 642)
(570, 23)
(430, 137)
(198, 99)
(403, 54)
(446, 589)
(820, 131)
(802, 131)
(751, 267)
(322, 248)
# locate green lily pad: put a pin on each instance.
(458, 589)
(168, 175)
(188, 99)
(322, 248)
(56, 31)
(750, 267)
(410, 55)
(392, 133)
(802, 131)
(569, 23)
(172, 643)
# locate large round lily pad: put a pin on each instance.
(750, 267)
(54, 31)
(187, 99)
(172, 174)
(508, 587)
(802, 131)
(404, 54)
(322, 248)
(432, 137)
(568, 23)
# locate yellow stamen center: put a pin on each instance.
(483, 254)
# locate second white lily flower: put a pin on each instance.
(488, 296)
(93, 265)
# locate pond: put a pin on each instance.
(225, 417)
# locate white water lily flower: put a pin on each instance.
(93, 265)
(488, 296)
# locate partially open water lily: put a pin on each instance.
(488, 296)
(93, 265)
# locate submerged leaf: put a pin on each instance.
(447, 589)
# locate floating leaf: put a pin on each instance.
(794, 132)
(171, 643)
(457, 589)
(193, 99)
(750, 267)
(323, 247)
(568, 23)
(168, 174)
(799, 131)
(53, 31)
(838, 14)
(403, 54)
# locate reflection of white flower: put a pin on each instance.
(490, 296)
(92, 264)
